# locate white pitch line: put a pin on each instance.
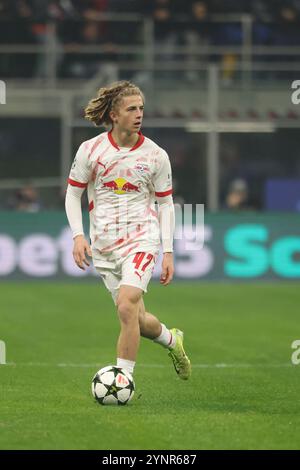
(151, 366)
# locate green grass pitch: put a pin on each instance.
(243, 394)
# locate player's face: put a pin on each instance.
(129, 114)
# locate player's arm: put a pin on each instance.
(76, 186)
(166, 215)
(74, 214)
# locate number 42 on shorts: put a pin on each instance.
(140, 258)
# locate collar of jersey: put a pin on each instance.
(114, 143)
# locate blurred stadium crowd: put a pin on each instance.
(247, 163)
(285, 11)
(188, 23)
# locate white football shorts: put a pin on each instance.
(133, 270)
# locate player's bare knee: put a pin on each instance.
(129, 293)
(127, 311)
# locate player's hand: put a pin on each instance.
(80, 250)
(167, 269)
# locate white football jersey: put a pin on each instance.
(122, 185)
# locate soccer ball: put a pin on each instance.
(113, 385)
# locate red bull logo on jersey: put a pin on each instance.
(120, 186)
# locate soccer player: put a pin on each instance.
(124, 173)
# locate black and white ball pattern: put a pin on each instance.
(113, 385)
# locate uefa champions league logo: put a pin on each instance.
(2, 92)
(2, 352)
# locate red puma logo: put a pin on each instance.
(138, 274)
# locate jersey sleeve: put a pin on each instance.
(80, 170)
(162, 180)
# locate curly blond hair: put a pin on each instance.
(109, 98)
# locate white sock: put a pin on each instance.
(165, 338)
(125, 364)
